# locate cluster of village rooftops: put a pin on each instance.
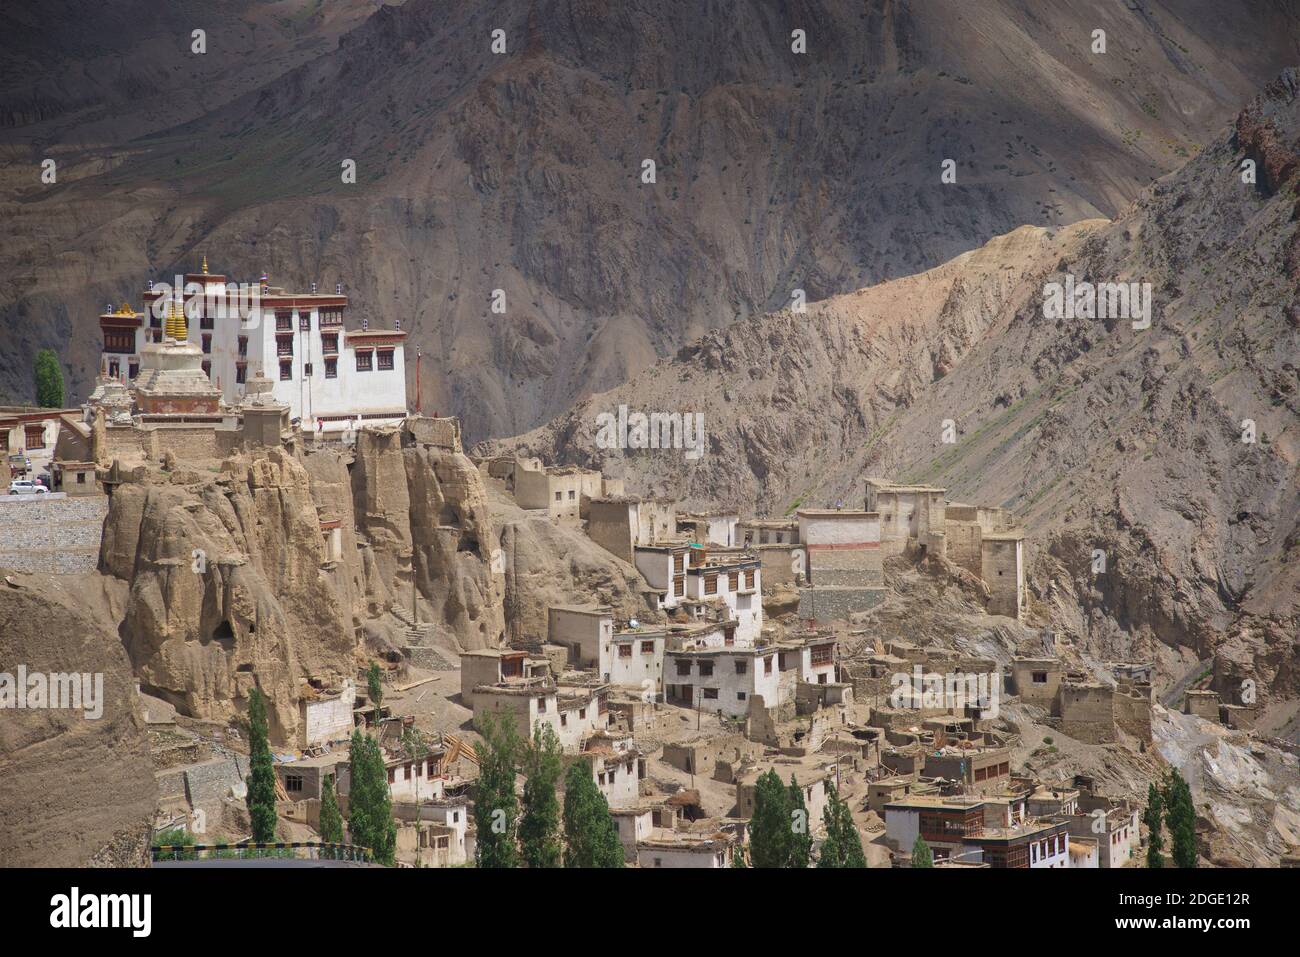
(632, 698)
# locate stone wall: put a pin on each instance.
(963, 544)
(824, 605)
(51, 534)
(1088, 713)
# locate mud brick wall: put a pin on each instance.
(1088, 713)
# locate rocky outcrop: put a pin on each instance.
(76, 790)
(227, 589)
(423, 510)
(235, 579)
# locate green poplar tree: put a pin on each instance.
(261, 780)
(1180, 815)
(1152, 817)
(539, 827)
(843, 846)
(374, 689)
(590, 834)
(49, 380)
(331, 821)
(496, 807)
(370, 807)
(801, 841)
(921, 854)
(769, 828)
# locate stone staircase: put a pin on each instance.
(418, 643)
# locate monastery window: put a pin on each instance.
(364, 361)
(679, 564)
(742, 666)
(647, 647)
(331, 368)
(385, 359)
(572, 494)
(559, 496)
(683, 666)
(733, 581)
(329, 342)
(306, 369)
(541, 706)
(241, 373)
(679, 586)
(625, 651)
(243, 347)
(122, 343)
(304, 321)
(711, 584)
(750, 577)
(392, 774)
(822, 655)
(331, 317)
(706, 669)
(1039, 677)
(283, 320)
(767, 665)
(582, 714)
(293, 783)
(207, 343)
(133, 368)
(4, 440)
(286, 370)
(564, 720)
(284, 345)
(740, 696)
(711, 693)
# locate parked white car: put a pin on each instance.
(24, 487)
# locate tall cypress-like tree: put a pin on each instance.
(261, 780)
(801, 841)
(922, 856)
(370, 807)
(843, 846)
(49, 380)
(496, 808)
(1153, 817)
(769, 828)
(590, 834)
(374, 688)
(1180, 815)
(539, 827)
(331, 821)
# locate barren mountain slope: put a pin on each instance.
(1099, 435)
(521, 172)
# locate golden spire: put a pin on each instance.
(174, 322)
(205, 264)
